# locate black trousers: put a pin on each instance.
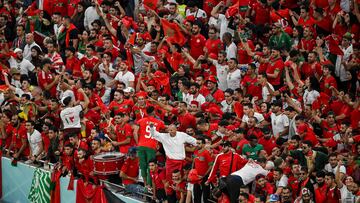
(201, 190)
(233, 184)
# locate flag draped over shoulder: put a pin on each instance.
(173, 32)
(334, 46)
(40, 187)
(89, 193)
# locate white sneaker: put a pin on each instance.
(29, 161)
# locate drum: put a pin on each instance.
(108, 163)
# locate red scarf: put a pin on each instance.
(67, 37)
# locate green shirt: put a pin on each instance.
(283, 41)
(252, 152)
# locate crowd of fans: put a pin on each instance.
(238, 101)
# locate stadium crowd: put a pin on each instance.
(208, 100)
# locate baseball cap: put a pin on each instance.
(128, 90)
(274, 198)
(17, 50)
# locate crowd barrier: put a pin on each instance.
(16, 184)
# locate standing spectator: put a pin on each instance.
(35, 142)
(90, 15)
(279, 122)
(173, 143)
(233, 78)
(230, 46)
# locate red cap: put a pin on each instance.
(141, 94)
(190, 18)
(212, 78)
(195, 102)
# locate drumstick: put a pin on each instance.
(107, 136)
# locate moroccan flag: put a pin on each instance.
(232, 10)
(40, 187)
(150, 4)
(334, 46)
(173, 32)
(89, 193)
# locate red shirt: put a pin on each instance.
(240, 145)
(73, 64)
(45, 78)
(309, 22)
(268, 144)
(279, 15)
(122, 133)
(262, 14)
(139, 112)
(131, 169)
(252, 86)
(197, 43)
(202, 161)
(71, 7)
(333, 195)
(157, 177)
(9, 130)
(294, 184)
(85, 167)
(214, 46)
(308, 69)
(124, 107)
(327, 82)
(243, 56)
(185, 121)
(46, 141)
(218, 94)
(222, 163)
(272, 66)
(307, 44)
(145, 139)
(18, 136)
(67, 161)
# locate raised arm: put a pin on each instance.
(86, 99)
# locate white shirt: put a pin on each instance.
(34, 142)
(27, 50)
(328, 168)
(279, 123)
(249, 172)
(221, 73)
(231, 51)
(125, 78)
(24, 66)
(90, 16)
(233, 79)
(197, 14)
(257, 115)
(310, 96)
(102, 73)
(283, 182)
(346, 195)
(227, 108)
(106, 97)
(70, 117)
(173, 146)
(265, 92)
(200, 98)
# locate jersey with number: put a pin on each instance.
(145, 138)
(70, 117)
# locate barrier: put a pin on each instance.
(16, 183)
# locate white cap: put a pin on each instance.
(128, 90)
(17, 50)
(172, 1)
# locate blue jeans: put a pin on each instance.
(135, 189)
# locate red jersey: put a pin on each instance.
(185, 121)
(123, 107)
(294, 184)
(279, 15)
(89, 64)
(309, 22)
(308, 69)
(9, 130)
(114, 52)
(262, 14)
(333, 195)
(275, 65)
(218, 94)
(85, 167)
(222, 163)
(178, 188)
(73, 64)
(20, 135)
(157, 177)
(243, 56)
(197, 43)
(67, 161)
(252, 86)
(213, 46)
(46, 141)
(268, 144)
(139, 112)
(71, 7)
(202, 161)
(122, 133)
(240, 145)
(307, 44)
(131, 169)
(45, 78)
(145, 139)
(327, 82)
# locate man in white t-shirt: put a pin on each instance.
(174, 146)
(266, 89)
(124, 75)
(70, 115)
(244, 176)
(21, 64)
(332, 166)
(195, 94)
(221, 70)
(35, 141)
(193, 10)
(233, 77)
(230, 46)
(279, 121)
(248, 112)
